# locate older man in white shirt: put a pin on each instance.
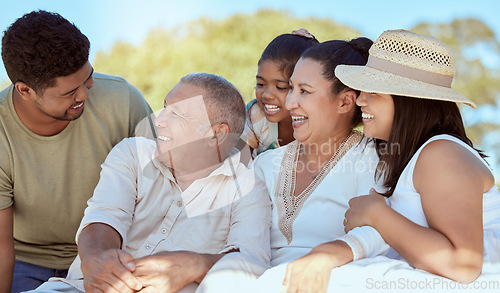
(164, 212)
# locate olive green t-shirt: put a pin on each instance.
(48, 180)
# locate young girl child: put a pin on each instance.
(269, 124)
(444, 213)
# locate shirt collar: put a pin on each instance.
(167, 173)
(229, 165)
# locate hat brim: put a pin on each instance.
(367, 79)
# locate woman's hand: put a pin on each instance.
(310, 273)
(363, 210)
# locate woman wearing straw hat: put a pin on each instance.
(444, 214)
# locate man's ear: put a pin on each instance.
(347, 101)
(24, 90)
(221, 132)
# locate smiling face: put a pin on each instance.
(183, 126)
(312, 105)
(378, 114)
(271, 90)
(66, 100)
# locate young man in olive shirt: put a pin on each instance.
(58, 121)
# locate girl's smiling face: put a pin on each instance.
(271, 90)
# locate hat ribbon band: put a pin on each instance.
(409, 72)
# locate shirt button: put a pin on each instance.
(163, 231)
(148, 247)
(179, 203)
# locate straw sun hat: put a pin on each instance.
(406, 64)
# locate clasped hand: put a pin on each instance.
(116, 271)
(167, 271)
(363, 210)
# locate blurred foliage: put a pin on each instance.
(230, 47)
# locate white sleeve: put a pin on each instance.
(251, 221)
(365, 242)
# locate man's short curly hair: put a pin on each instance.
(41, 46)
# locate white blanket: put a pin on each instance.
(383, 274)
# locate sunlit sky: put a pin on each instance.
(106, 21)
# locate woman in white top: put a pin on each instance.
(312, 179)
(445, 207)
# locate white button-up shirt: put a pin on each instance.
(140, 199)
